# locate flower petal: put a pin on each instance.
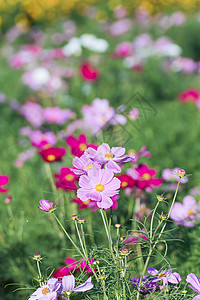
(84, 287)
(105, 203)
(68, 283)
(111, 165)
(118, 151)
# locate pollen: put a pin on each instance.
(82, 147)
(51, 157)
(69, 177)
(190, 212)
(45, 291)
(109, 155)
(124, 184)
(162, 274)
(89, 167)
(99, 187)
(146, 176)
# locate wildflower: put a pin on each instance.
(37, 256)
(164, 276)
(126, 181)
(181, 173)
(8, 199)
(160, 198)
(36, 78)
(33, 113)
(4, 179)
(123, 49)
(81, 221)
(194, 284)
(93, 204)
(46, 205)
(109, 156)
(172, 175)
(39, 139)
(144, 177)
(83, 164)
(79, 145)
(48, 291)
(88, 72)
(75, 217)
(134, 237)
(66, 179)
(190, 95)
(99, 185)
(118, 225)
(52, 154)
(147, 286)
(134, 114)
(68, 286)
(57, 115)
(143, 152)
(185, 213)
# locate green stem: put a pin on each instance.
(79, 236)
(152, 219)
(68, 235)
(105, 221)
(39, 272)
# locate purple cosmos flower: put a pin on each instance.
(33, 113)
(40, 139)
(46, 205)
(185, 213)
(194, 282)
(99, 185)
(68, 286)
(49, 291)
(83, 164)
(57, 115)
(109, 157)
(148, 285)
(164, 276)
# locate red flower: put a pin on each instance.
(126, 181)
(145, 177)
(88, 72)
(190, 95)
(4, 179)
(66, 180)
(79, 145)
(52, 154)
(133, 238)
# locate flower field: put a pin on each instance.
(99, 164)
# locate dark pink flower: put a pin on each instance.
(126, 181)
(79, 145)
(66, 180)
(190, 95)
(4, 179)
(145, 177)
(52, 154)
(46, 205)
(88, 72)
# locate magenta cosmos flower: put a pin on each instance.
(52, 154)
(4, 179)
(48, 291)
(79, 145)
(46, 205)
(68, 286)
(194, 282)
(99, 185)
(66, 179)
(109, 157)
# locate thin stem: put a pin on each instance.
(38, 267)
(68, 235)
(84, 242)
(79, 236)
(105, 221)
(152, 219)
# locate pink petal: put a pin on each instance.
(84, 287)
(68, 283)
(104, 148)
(118, 151)
(113, 166)
(105, 203)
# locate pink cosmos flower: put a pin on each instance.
(164, 276)
(124, 49)
(99, 185)
(143, 152)
(109, 157)
(33, 113)
(39, 139)
(190, 95)
(126, 181)
(134, 114)
(186, 213)
(79, 145)
(4, 179)
(194, 284)
(66, 179)
(48, 291)
(170, 175)
(83, 164)
(57, 115)
(52, 154)
(68, 286)
(88, 72)
(93, 204)
(46, 205)
(120, 27)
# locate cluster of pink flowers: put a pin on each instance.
(97, 167)
(190, 96)
(36, 115)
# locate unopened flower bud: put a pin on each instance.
(96, 263)
(163, 217)
(37, 256)
(102, 276)
(124, 251)
(181, 173)
(117, 225)
(75, 217)
(184, 292)
(8, 199)
(46, 205)
(81, 221)
(160, 198)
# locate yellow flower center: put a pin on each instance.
(124, 184)
(69, 177)
(109, 155)
(82, 147)
(86, 202)
(131, 152)
(51, 157)
(146, 176)
(99, 187)
(89, 167)
(45, 291)
(162, 274)
(190, 212)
